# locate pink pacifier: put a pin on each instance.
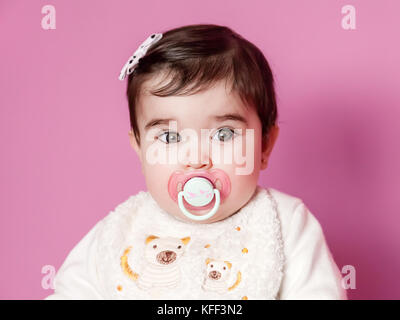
(198, 191)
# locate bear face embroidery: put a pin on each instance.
(161, 267)
(218, 275)
(164, 251)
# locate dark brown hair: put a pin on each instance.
(197, 56)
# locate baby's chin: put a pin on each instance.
(227, 208)
(221, 214)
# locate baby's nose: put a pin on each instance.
(195, 151)
(204, 166)
(201, 160)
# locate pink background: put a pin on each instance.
(65, 156)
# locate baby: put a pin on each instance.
(203, 121)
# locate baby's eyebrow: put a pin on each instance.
(220, 118)
(230, 116)
(156, 122)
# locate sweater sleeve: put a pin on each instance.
(310, 271)
(77, 278)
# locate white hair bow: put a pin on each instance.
(139, 53)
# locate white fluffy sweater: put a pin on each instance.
(272, 248)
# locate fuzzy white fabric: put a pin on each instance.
(273, 242)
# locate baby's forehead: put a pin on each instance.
(213, 101)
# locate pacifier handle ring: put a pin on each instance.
(203, 217)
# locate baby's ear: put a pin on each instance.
(268, 142)
(208, 260)
(228, 264)
(151, 238)
(134, 144)
(185, 240)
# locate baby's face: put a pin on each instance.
(195, 129)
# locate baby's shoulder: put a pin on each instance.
(286, 203)
(123, 215)
(287, 206)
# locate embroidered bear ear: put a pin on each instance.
(185, 240)
(208, 260)
(150, 238)
(228, 264)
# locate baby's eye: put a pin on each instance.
(224, 134)
(170, 137)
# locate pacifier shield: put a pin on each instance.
(213, 175)
(198, 191)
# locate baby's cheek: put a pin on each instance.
(242, 188)
(240, 183)
(157, 181)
